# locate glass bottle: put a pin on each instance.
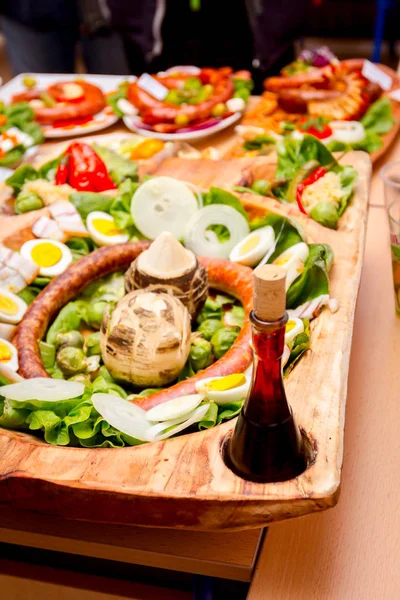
(267, 445)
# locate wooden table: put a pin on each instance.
(353, 551)
(348, 553)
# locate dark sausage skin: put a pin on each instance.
(224, 275)
(93, 102)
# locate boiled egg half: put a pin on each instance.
(12, 308)
(52, 257)
(8, 355)
(293, 328)
(292, 260)
(103, 229)
(224, 390)
(253, 247)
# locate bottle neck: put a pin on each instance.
(266, 403)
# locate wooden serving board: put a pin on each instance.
(183, 482)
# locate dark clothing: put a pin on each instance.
(253, 34)
(42, 15)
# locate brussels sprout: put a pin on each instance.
(262, 187)
(71, 338)
(326, 213)
(85, 379)
(200, 354)
(209, 327)
(27, 202)
(71, 360)
(95, 313)
(223, 339)
(93, 344)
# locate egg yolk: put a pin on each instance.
(282, 260)
(147, 149)
(8, 306)
(46, 254)
(5, 353)
(290, 325)
(249, 245)
(227, 383)
(105, 227)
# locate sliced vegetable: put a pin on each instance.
(163, 204)
(123, 415)
(167, 429)
(44, 389)
(174, 409)
(203, 241)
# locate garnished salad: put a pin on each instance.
(18, 133)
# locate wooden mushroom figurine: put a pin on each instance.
(146, 339)
(169, 267)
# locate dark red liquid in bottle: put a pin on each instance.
(267, 445)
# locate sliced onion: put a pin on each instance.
(163, 204)
(348, 132)
(128, 418)
(174, 409)
(206, 243)
(43, 389)
(158, 432)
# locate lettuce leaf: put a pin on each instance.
(287, 231)
(119, 168)
(301, 344)
(217, 195)
(293, 154)
(379, 117)
(314, 280)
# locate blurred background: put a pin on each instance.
(120, 37)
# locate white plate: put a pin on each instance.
(107, 83)
(133, 124)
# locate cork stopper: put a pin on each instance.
(269, 295)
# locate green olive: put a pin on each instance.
(262, 187)
(27, 202)
(218, 110)
(325, 213)
(29, 82)
(71, 360)
(181, 120)
(70, 338)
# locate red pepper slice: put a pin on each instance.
(318, 173)
(87, 172)
(61, 174)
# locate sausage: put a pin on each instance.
(60, 291)
(228, 277)
(314, 77)
(92, 103)
(296, 100)
(155, 111)
(236, 280)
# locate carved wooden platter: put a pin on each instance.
(184, 482)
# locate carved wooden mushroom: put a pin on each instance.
(169, 267)
(146, 339)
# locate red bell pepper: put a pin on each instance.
(84, 170)
(318, 174)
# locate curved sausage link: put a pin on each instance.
(228, 277)
(62, 290)
(155, 111)
(92, 103)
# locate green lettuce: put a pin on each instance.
(301, 344)
(217, 195)
(314, 279)
(118, 167)
(379, 117)
(287, 232)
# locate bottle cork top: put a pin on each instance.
(269, 295)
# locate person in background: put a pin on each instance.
(42, 36)
(257, 35)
